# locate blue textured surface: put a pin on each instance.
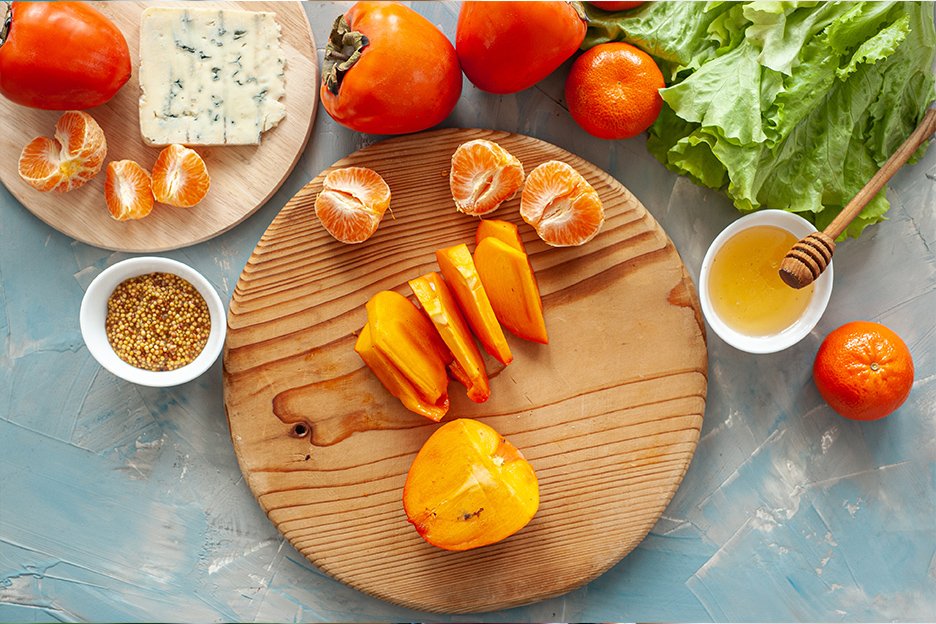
(124, 503)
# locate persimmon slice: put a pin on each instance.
(352, 202)
(395, 381)
(180, 177)
(561, 205)
(506, 231)
(128, 190)
(440, 306)
(402, 347)
(458, 269)
(469, 487)
(68, 160)
(511, 287)
(483, 175)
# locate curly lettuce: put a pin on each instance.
(786, 105)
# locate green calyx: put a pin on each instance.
(7, 22)
(341, 53)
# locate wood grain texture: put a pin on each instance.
(608, 413)
(243, 178)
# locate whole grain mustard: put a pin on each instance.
(157, 321)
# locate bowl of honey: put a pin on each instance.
(153, 321)
(743, 298)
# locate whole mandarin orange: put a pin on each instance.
(863, 370)
(612, 91)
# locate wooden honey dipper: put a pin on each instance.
(811, 255)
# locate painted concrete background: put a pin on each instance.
(124, 503)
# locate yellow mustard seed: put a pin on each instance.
(157, 321)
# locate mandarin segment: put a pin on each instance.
(561, 205)
(128, 190)
(180, 177)
(483, 175)
(69, 160)
(352, 203)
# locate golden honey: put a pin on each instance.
(745, 288)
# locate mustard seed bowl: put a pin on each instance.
(93, 316)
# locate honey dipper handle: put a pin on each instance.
(811, 255)
(923, 131)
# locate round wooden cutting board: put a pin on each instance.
(608, 413)
(243, 178)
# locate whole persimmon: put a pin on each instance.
(612, 91)
(863, 370)
(389, 70)
(609, 5)
(506, 47)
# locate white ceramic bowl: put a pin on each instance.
(822, 288)
(94, 312)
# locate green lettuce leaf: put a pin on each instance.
(789, 105)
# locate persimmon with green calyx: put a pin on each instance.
(512, 289)
(403, 349)
(458, 269)
(469, 487)
(439, 304)
(388, 70)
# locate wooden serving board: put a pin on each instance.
(243, 178)
(608, 413)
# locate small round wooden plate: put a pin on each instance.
(243, 177)
(608, 413)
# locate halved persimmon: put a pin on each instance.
(352, 202)
(180, 177)
(67, 161)
(469, 487)
(459, 271)
(440, 306)
(561, 205)
(128, 190)
(483, 176)
(511, 287)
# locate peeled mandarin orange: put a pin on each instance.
(352, 202)
(483, 176)
(561, 205)
(128, 190)
(67, 161)
(180, 177)
(612, 91)
(863, 370)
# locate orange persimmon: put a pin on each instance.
(403, 349)
(439, 304)
(511, 287)
(504, 230)
(469, 487)
(459, 271)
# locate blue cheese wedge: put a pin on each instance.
(209, 77)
